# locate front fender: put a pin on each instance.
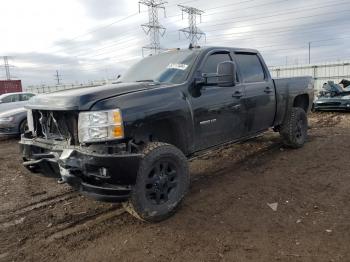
(141, 110)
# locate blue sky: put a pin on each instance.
(96, 39)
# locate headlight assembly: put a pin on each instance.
(97, 126)
(6, 119)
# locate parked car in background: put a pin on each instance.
(13, 122)
(333, 97)
(14, 100)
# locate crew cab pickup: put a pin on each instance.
(130, 141)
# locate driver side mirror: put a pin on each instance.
(226, 72)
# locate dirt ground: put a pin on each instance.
(225, 216)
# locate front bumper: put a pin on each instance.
(332, 105)
(105, 177)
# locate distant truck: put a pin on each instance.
(10, 86)
(129, 142)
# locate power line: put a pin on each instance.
(209, 31)
(280, 20)
(58, 78)
(192, 32)
(269, 30)
(153, 28)
(7, 68)
(113, 23)
(235, 4)
(212, 25)
(289, 11)
(312, 7)
(238, 34)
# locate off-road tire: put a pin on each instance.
(294, 129)
(139, 204)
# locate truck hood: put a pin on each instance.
(83, 98)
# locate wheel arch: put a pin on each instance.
(167, 130)
(302, 101)
(20, 122)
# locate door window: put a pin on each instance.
(25, 97)
(10, 98)
(250, 67)
(211, 64)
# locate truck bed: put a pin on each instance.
(287, 89)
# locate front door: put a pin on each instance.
(217, 109)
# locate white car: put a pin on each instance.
(13, 122)
(14, 100)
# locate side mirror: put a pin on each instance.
(200, 81)
(226, 72)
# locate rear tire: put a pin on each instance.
(161, 184)
(294, 128)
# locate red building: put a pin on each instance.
(10, 86)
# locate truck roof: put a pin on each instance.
(209, 48)
(235, 49)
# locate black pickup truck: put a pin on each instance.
(129, 141)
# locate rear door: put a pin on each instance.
(259, 98)
(217, 109)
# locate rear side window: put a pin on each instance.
(10, 98)
(250, 67)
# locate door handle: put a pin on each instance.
(237, 94)
(267, 90)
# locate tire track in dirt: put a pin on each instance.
(65, 230)
(52, 200)
(45, 235)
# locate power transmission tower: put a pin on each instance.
(7, 68)
(192, 32)
(153, 28)
(58, 78)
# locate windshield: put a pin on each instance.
(170, 67)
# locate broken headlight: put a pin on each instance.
(97, 126)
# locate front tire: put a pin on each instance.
(294, 128)
(161, 184)
(23, 126)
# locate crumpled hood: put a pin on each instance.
(83, 98)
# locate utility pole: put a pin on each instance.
(7, 68)
(153, 28)
(309, 53)
(192, 32)
(58, 77)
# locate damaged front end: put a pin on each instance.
(105, 171)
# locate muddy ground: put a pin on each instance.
(225, 216)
